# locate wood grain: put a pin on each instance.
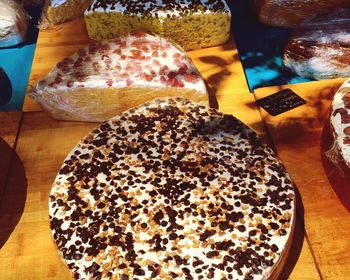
(300, 140)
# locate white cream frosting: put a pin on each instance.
(216, 147)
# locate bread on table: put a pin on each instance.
(319, 53)
(191, 24)
(13, 23)
(106, 78)
(291, 13)
(339, 121)
(59, 11)
(172, 190)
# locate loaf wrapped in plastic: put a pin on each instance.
(59, 11)
(336, 18)
(13, 23)
(106, 78)
(339, 124)
(291, 13)
(319, 53)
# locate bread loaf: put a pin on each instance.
(172, 190)
(291, 13)
(108, 77)
(319, 54)
(191, 24)
(13, 23)
(339, 153)
(59, 11)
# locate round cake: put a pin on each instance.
(340, 127)
(172, 190)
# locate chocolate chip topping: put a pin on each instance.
(171, 189)
(155, 7)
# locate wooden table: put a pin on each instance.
(43, 143)
(301, 138)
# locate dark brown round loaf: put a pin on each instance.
(290, 13)
(319, 54)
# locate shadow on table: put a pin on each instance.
(337, 175)
(214, 81)
(297, 239)
(13, 191)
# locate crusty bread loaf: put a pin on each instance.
(108, 77)
(172, 190)
(319, 54)
(291, 13)
(59, 11)
(13, 23)
(192, 24)
(339, 122)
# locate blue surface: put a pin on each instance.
(17, 63)
(260, 48)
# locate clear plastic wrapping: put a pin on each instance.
(106, 78)
(319, 53)
(291, 13)
(337, 18)
(339, 129)
(13, 23)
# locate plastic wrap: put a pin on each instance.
(337, 18)
(319, 54)
(108, 77)
(59, 11)
(339, 125)
(291, 13)
(13, 23)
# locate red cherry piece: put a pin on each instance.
(176, 83)
(117, 51)
(155, 62)
(58, 80)
(106, 59)
(190, 78)
(109, 82)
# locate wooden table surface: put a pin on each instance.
(28, 250)
(301, 138)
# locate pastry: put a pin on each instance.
(13, 23)
(106, 78)
(291, 13)
(192, 24)
(172, 190)
(319, 53)
(59, 11)
(339, 153)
